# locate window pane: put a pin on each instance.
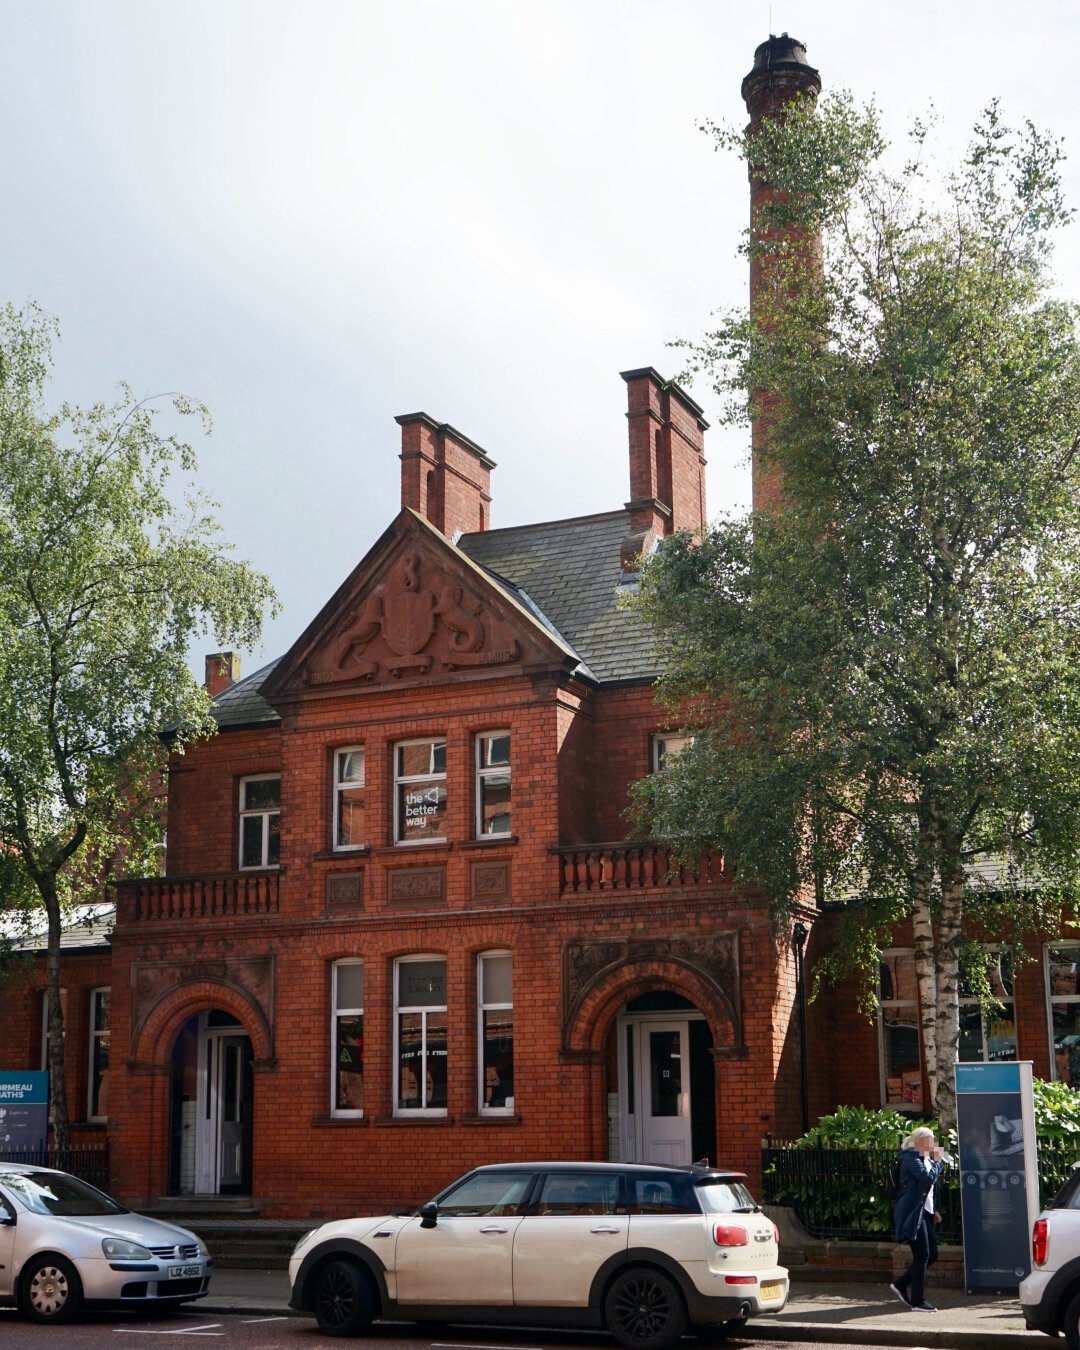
(971, 1038)
(497, 977)
(494, 751)
(350, 818)
(579, 1193)
(349, 1051)
(900, 1041)
(898, 976)
(1067, 1043)
(665, 1070)
(351, 767)
(1001, 1034)
(1064, 970)
(350, 985)
(495, 804)
(499, 1058)
(491, 1193)
(263, 792)
(99, 1102)
(435, 1078)
(421, 812)
(251, 838)
(422, 984)
(273, 852)
(421, 758)
(667, 747)
(410, 1059)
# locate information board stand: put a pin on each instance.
(24, 1111)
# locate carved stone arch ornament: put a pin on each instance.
(600, 975)
(166, 994)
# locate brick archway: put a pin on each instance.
(593, 999)
(153, 1038)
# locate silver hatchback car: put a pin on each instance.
(63, 1244)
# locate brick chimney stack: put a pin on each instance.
(445, 477)
(667, 462)
(222, 670)
(780, 76)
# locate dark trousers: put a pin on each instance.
(912, 1284)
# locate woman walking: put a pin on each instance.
(920, 1164)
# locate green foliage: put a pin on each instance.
(104, 584)
(1057, 1113)
(882, 671)
(859, 1127)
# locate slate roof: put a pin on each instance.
(570, 571)
(91, 929)
(567, 573)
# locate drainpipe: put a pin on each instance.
(798, 940)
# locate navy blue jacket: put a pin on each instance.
(915, 1183)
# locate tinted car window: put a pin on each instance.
(726, 1197)
(1069, 1195)
(486, 1193)
(579, 1193)
(56, 1193)
(662, 1195)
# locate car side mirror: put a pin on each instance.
(429, 1215)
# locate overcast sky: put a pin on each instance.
(316, 215)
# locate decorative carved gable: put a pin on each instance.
(415, 608)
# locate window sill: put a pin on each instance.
(338, 1122)
(342, 854)
(511, 1119)
(404, 850)
(425, 1121)
(494, 841)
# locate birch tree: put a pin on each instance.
(884, 665)
(105, 581)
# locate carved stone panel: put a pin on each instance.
(416, 885)
(491, 880)
(345, 891)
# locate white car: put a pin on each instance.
(645, 1252)
(1050, 1295)
(63, 1244)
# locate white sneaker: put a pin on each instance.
(893, 1289)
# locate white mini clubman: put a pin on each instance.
(645, 1252)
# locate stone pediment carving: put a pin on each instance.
(415, 608)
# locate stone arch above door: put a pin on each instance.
(602, 974)
(165, 994)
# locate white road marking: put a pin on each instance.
(464, 1345)
(176, 1331)
(254, 1321)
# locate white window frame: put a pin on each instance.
(1052, 998)
(341, 786)
(481, 1009)
(967, 1001)
(336, 1014)
(660, 739)
(430, 777)
(95, 1033)
(494, 771)
(425, 1010)
(913, 1108)
(264, 865)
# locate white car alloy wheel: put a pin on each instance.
(51, 1290)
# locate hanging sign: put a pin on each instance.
(24, 1111)
(999, 1180)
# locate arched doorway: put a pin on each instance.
(210, 1107)
(666, 1081)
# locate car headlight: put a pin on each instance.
(120, 1249)
(305, 1240)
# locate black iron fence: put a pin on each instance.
(90, 1164)
(842, 1193)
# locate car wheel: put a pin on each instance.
(344, 1302)
(1071, 1325)
(644, 1310)
(51, 1291)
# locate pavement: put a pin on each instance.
(864, 1314)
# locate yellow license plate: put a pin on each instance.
(772, 1289)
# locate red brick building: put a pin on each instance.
(400, 930)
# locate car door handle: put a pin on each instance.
(605, 1230)
(494, 1230)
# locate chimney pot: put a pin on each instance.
(222, 671)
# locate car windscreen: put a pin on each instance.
(725, 1197)
(57, 1193)
(1069, 1195)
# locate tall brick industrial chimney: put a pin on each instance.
(781, 75)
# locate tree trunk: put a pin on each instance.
(57, 1084)
(926, 980)
(950, 936)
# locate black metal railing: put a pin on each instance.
(842, 1192)
(89, 1164)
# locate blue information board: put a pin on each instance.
(24, 1111)
(999, 1186)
